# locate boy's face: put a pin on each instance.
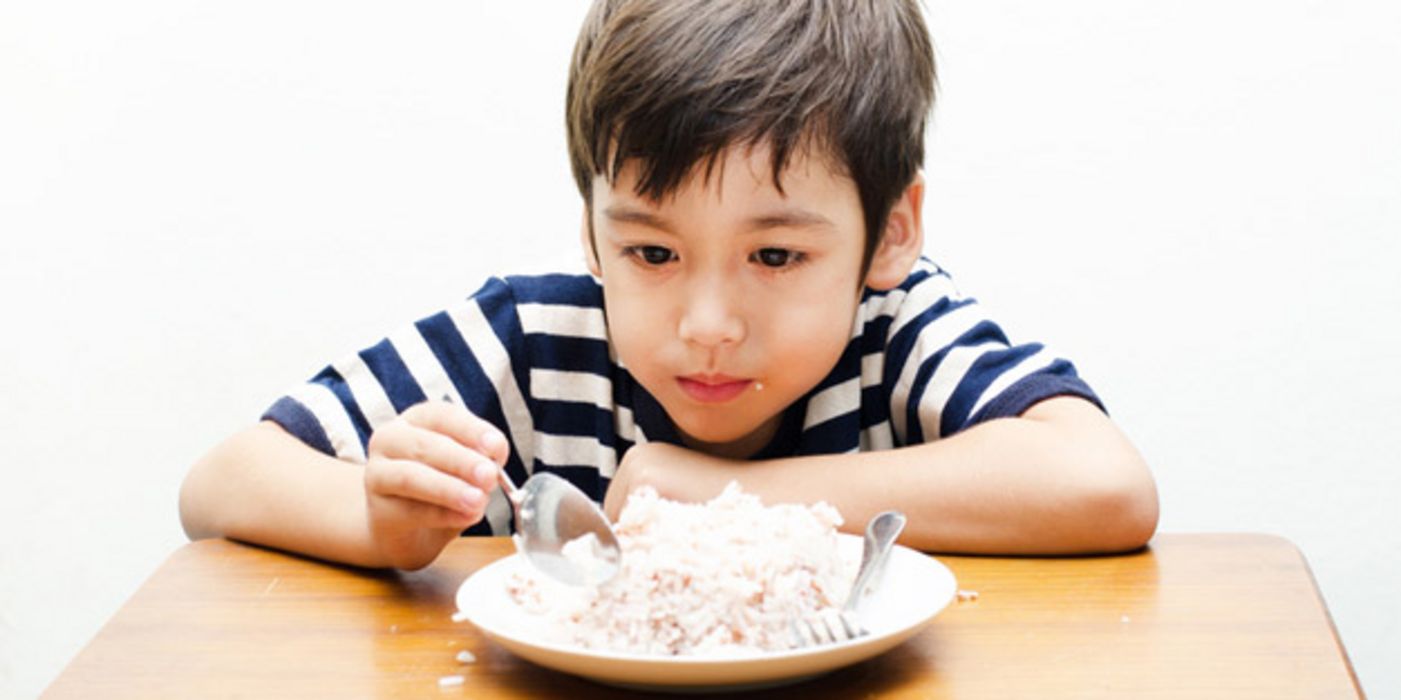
(730, 300)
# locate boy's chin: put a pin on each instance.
(736, 441)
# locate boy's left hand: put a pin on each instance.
(675, 472)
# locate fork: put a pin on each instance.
(831, 626)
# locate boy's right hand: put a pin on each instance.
(428, 476)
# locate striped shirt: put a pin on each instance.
(531, 355)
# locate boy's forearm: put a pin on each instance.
(264, 486)
(1059, 480)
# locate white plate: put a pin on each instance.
(915, 588)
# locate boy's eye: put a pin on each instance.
(651, 254)
(775, 257)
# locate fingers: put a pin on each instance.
(447, 438)
(461, 425)
(433, 466)
(427, 515)
(414, 481)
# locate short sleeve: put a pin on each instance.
(948, 366)
(469, 353)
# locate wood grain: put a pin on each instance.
(1193, 616)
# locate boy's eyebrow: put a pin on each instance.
(790, 218)
(637, 216)
(781, 218)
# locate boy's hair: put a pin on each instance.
(674, 83)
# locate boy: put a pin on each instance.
(758, 310)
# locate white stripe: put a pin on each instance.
(923, 296)
(423, 365)
(574, 451)
(365, 388)
(563, 320)
(877, 437)
(934, 337)
(888, 304)
(1030, 364)
(625, 426)
(946, 379)
(833, 401)
(494, 361)
(335, 422)
(579, 387)
(872, 369)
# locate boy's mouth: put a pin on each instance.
(713, 388)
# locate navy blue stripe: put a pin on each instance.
(569, 353)
(301, 423)
(848, 367)
(914, 429)
(873, 334)
(1058, 379)
(787, 440)
(897, 351)
(562, 289)
(981, 374)
(478, 394)
(875, 406)
(586, 477)
(835, 435)
(391, 372)
(331, 379)
(498, 305)
(575, 419)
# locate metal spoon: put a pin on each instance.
(550, 513)
(875, 552)
(842, 625)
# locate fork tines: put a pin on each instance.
(827, 627)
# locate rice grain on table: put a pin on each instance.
(721, 578)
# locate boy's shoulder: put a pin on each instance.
(553, 289)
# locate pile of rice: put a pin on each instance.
(722, 578)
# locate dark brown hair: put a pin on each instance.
(674, 83)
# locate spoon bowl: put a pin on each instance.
(561, 531)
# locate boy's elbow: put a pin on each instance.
(192, 513)
(1123, 509)
(200, 492)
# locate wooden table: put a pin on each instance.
(1193, 616)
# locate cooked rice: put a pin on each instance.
(719, 578)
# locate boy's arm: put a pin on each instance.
(426, 479)
(262, 485)
(1060, 479)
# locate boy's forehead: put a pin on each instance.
(740, 168)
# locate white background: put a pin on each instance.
(202, 203)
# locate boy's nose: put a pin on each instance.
(710, 317)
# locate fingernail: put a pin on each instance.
(471, 498)
(484, 472)
(492, 440)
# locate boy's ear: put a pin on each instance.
(586, 240)
(903, 241)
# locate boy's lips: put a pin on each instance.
(713, 388)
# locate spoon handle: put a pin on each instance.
(880, 537)
(508, 487)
